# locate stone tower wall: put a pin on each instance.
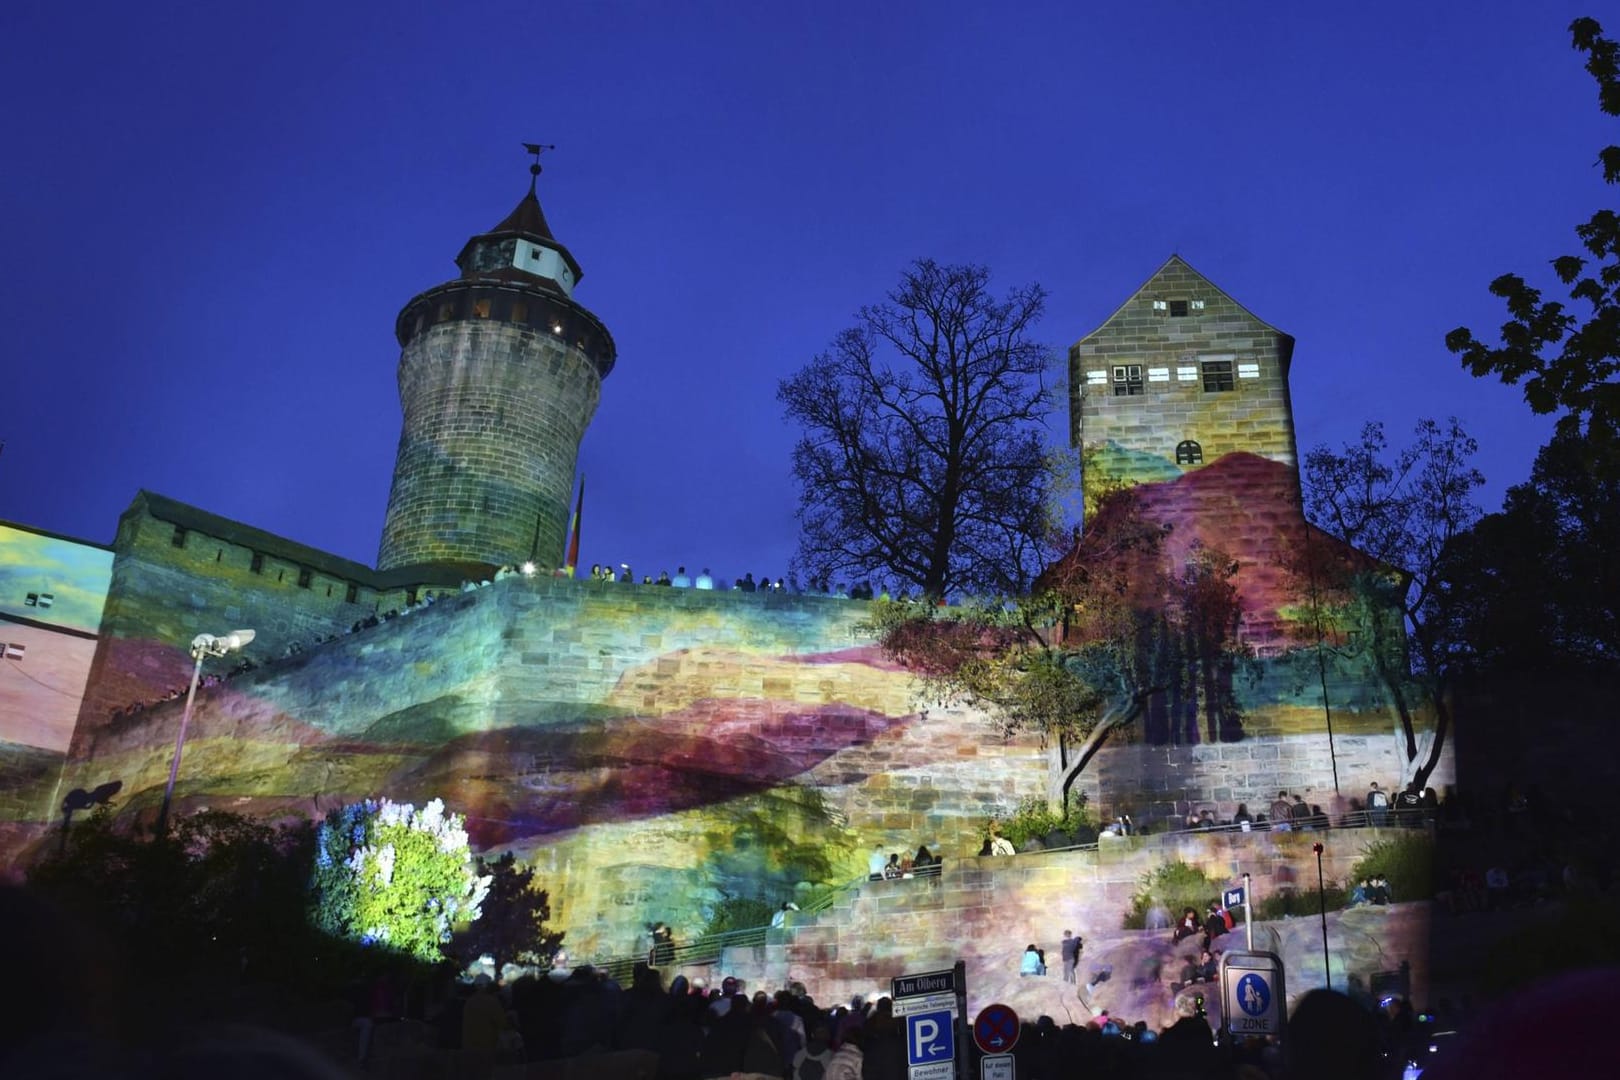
(494, 415)
(1134, 438)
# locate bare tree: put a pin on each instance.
(1404, 511)
(922, 459)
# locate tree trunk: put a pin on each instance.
(1063, 767)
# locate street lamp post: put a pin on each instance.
(1321, 907)
(203, 645)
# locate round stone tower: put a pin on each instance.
(499, 375)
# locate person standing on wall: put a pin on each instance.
(1071, 955)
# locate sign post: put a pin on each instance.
(1253, 994)
(995, 1033)
(1230, 899)
(928, 1005)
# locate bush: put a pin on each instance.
(738, 913)
(1407, 860)
(387, 874)
(1033, 819)
(1291, 903)
(1174, 886)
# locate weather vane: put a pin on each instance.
(534, 170)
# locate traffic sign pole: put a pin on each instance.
(1248, 914)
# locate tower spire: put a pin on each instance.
(534, 170)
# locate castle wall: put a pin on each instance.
(651, 750)
(494, 414)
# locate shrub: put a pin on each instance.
(388, 874)
(738, 913)
(1291, 903)
(1406, 859)
(1034, 818)
(1174, 886)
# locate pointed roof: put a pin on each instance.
(1176, 262)
(527, 217)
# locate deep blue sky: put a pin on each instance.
(213, 213)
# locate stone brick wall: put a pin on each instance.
(1134, 438)
(985, 910)
(171, 582)
(494, 415)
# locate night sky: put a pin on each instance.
(212, 217)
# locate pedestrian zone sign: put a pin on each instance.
(1252, 993)
(931, 1045)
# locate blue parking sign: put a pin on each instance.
(929, 1037)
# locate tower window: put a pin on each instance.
(520, 311)
(481, 309)
(445, 311)
(305, 576)
(352, 594)
(257, 563)
(1198, 305)
(1217, 376)
(1127, 380)
(1189, 453)
(1178, 309)
(1161, 306)
(179, 538)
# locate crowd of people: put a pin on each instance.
(899, 864)
(623, 574)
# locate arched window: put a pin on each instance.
(1189, 453)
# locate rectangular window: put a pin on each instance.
(32, 600)
(14, 651)
(520, 311)
(445, 311)
(1248, 371)
(257, 565)
(410, 597)
(305, 576)
(352, 594)
(1158, 374)
(1127, 380)
(1198, 305)
(1161, 306)
(179, 538)
(1187, 374)
(1217, 376)
(1096, 378)
(481, 309)
(1178, 309)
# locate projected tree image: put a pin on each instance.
(390, 875)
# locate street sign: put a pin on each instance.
(1253, 994)
(929, 1038)
(930, 1005)
(932, 982)
(996, 1067)
(1233, 898)
(995, 1029)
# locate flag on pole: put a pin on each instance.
(573, 532)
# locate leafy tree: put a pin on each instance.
(512, 928)
(1396, 614)
(1567, 365)
(1536, 586)
(922, 456)
(1086, 654)
(390, 875)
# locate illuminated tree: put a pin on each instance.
(1108, 631)
(1395, 611)
(922, 458)
(389, 875)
